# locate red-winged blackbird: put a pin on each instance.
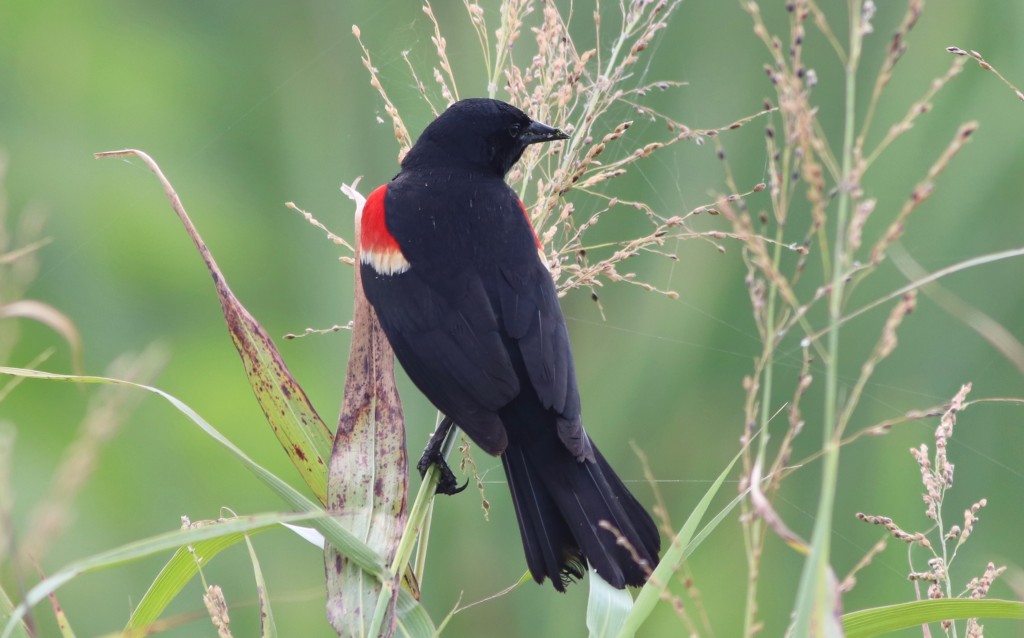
(450, 263)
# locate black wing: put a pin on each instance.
(476, 314)
(533, 319)
(448, 340)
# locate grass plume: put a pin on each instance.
(808, 234)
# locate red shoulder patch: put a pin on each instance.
(377, 247)
(373, 231)
(536, 239)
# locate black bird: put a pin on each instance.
(450, 262)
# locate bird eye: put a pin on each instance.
(514, 130)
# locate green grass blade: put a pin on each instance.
(18, 629)
(682, 546)
(607, 608)
(268, 629)
(413, 620)
(140, 549)
(62, 622)
(177, 573)
(336, 534)
(882, 620)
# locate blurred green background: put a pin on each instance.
(249, 105)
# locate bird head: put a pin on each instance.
(480, 133)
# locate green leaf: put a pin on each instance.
(268, 629)
(332, 530)
(882, 620)
(140, 549)
(607, 608)
(177, 573)
(62, 620)
(18, 629)
(682, 546)
(413, 620)
(300, 430)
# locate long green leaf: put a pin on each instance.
(177, 573)
(682, 546)
(333, 530)
(268, 629)
(882, 620)
(607, 607)
(300, 430)
(413, 620)
(18, 630)
(62, 620)
(140, 549)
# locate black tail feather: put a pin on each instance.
(550, 549)
(561, 503)
(636, 526)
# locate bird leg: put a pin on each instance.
(434, 454)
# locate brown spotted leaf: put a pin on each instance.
(367, 481)
(299, 429)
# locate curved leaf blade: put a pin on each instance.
(18, 629)
(355, 549)
(682, 546)
(882, 620)
(300, 430)
(268, 628)
(607, 608)
(413, 620)
(177, 573)
(140, 549)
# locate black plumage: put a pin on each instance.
(475, 322)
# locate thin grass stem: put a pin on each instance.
(812, 598)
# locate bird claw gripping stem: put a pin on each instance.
(433, 454)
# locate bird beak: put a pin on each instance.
(537, 132)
